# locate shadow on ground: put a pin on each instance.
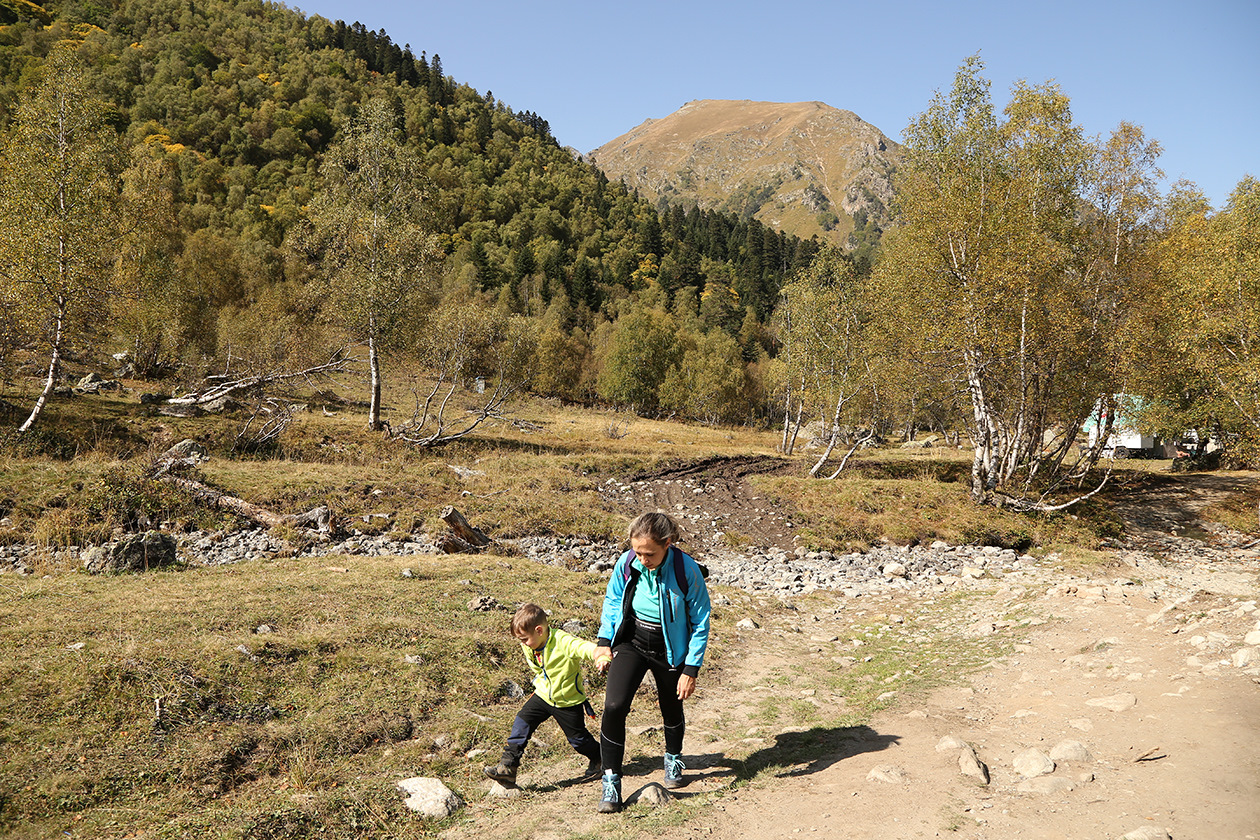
(796, 753)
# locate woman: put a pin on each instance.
(655, 618)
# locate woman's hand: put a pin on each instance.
(686, 686)
(603, 658)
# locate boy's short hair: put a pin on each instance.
(527, 617)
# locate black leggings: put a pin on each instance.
(625, 674)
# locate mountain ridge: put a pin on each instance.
(805, 167)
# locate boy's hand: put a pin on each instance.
(686, 686)
(603, 658)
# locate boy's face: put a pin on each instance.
(533, 638)
(650, 553)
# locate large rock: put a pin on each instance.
(652, 794)
(429, 797)
(1033, 762)
(969, 764)
(1073, 751)
(133, 553)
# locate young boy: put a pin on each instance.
(555, 657)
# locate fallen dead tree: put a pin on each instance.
(221, 389)
(188, 454)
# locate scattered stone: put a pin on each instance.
(1073, 751)
(498, 790)
(746, 624)
(889, 773)
(1115, 702)
(969, 764)
(264, 629)
(1246, 657)
(650, 794)
(428, 796)
(950, 743)
(894, 570)
(76, 646)
(1045, 785)
(1033, 762)
(484, 603)
(1252, 638)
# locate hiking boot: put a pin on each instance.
(611, 801)
(503, 773)
(673, 771)
(592, 772)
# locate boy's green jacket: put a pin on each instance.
(558, 668)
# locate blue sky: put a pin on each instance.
(1188, 73)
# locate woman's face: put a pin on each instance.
(650, 553)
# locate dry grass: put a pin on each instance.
(150, 702)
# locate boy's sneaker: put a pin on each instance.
(500, 773)
(673, 771)
(592, 772)
(611, 801)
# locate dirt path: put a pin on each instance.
(1143, 665)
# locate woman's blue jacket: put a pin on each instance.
(685, 619)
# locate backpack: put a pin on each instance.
(680, 574)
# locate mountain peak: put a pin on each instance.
(803, 167)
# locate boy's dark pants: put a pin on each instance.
(533, 714)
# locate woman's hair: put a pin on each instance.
(657, 527)
(527, 617)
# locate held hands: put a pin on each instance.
(603, 658)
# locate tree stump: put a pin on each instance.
(463, 529)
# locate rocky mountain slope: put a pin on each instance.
(805, 167)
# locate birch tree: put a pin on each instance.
(1000, 277)
(1210, 314)
(60, 213)
(824, 312)
(366, 237)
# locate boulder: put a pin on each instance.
(133, 553)
(1073, 751)
(651, 794)
(969, 764)
(430, 797)
(1033, 762)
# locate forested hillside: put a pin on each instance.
(229, 108)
